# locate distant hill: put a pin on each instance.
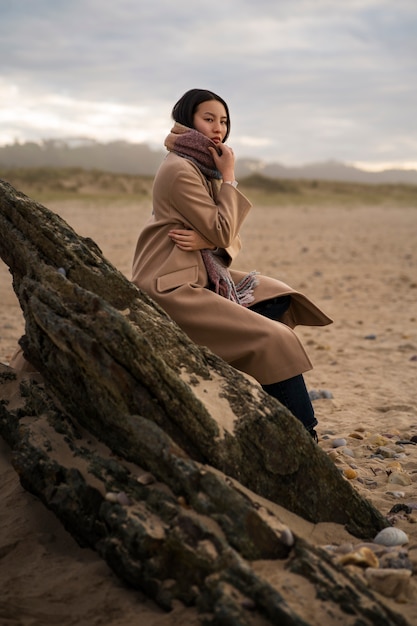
(329, 170)
(139, 159)
(119, 157)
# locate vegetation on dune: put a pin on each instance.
(274, 191)
(46, 184)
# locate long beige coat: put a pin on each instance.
(266, 349)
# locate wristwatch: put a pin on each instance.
(234, 183)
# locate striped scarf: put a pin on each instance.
(193, 145)
(220, 280)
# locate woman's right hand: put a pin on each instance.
(225, 162)
(189, 240)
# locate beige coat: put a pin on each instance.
(268, 350)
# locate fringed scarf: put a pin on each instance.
(221, 281)
(193, 145)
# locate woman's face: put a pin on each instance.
(210, 119)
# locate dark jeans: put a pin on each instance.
(273, 308)
(292, 393)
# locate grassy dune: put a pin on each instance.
(47, 184)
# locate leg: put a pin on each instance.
(293, 394)
(273, 308)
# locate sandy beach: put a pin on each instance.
(356, 261)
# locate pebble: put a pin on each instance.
(120, 498)
(146, 479)
(386, 452)
(395, 466)
(396, 560)
(350, 473)
(62, 271)
(399, 478)
(123, 498)
(400, 507)
(356, 435)
(325, 393)
(287, 537)
(378, 440)
(316, 394)
(370, 482)
(391, 537)
(393, 583)
(396, 494)
(339, 442)
(333, 454)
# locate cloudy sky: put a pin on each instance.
(306, 80)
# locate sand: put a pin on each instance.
(359, 263)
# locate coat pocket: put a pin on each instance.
(177, 278)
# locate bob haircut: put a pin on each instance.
(184, 109)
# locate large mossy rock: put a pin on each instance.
(145, 444)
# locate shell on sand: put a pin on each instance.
(364, 557)
(391, 537)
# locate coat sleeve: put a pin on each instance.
(217, 221)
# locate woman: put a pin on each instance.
(184, 252)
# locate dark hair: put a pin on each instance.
(184, 109)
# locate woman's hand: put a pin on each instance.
(189, 240)
(225, 162)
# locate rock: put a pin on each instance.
(386, 452)
(396, 494)
(356, 435)
(108, 353)
(399, 478)
(400, 507)
(396, 560)
(378, 440)
(320, 393)
(339, 442)
(125, 394)
(350, 473)
(393, 583)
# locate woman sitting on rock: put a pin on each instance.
(185, 251)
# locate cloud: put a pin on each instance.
(31, 117)
(305, 80)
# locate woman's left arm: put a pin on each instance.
(189, 240)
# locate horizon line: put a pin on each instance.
(370, 166)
